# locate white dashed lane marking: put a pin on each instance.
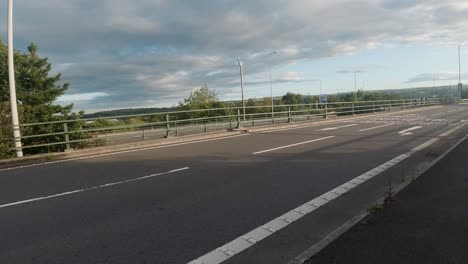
(377, 127)
(240, 244)
(292, 145)
(408, 132)
(335, 128)
(89, 189)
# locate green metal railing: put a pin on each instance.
(176, 123)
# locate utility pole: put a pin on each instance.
(242, 86)
(11, 79)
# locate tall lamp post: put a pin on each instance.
(460, 85)
(320, 80)
(271, 89)
(11, 79)
(355, 85)
(242, 85)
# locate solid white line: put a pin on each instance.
(439, 114)
(452, 111)
(292, 145)
(335, 128)
(89, 189)
(240, 244)
(377, 127)
(122, 152)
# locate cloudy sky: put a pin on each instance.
(145, 53)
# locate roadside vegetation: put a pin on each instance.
(38, 90)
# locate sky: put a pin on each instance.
(153, 53)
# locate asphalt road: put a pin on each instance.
(174, 204)
(426, 223)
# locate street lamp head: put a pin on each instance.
(239, 61)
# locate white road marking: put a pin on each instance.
(292, 145)
(198, 141)
(335, 128)
(439, 114)
(451, 131)
(452, 111)
(89, 189)
(122, 152)
(358, 118)
(407, 132)
(240, 244)
(377, 127)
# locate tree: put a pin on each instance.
(37, 91)
(292, 99)
(203, 98)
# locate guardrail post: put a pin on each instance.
(373, 107)
(238, 118)
(390, 109)
(67, 137)
(353, 110)
(176, 129)
(144, 135)
(168, 126)
(289, 115)
(206, 127)
(326, 111)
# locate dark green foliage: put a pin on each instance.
(203, 98)
(36, 93)
(292, 98)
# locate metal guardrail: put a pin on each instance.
(177, 123)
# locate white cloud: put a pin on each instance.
(152, 49)
(70, 98)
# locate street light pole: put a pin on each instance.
(460, 85)
(11, 79)
(271, 90)
(320, 87)
(459, 63)
(355, 86)
(242, 85)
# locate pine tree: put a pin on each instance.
(37, 92)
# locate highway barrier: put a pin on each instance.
(67, 135)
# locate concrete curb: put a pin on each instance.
(305, 256)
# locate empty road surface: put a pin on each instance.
(174, 204)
